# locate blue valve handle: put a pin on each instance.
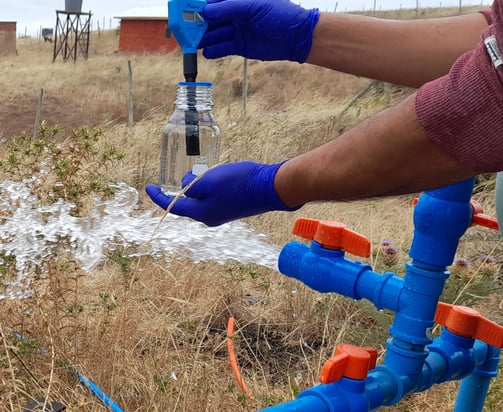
(186, 23)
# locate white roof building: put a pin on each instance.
(160, 12)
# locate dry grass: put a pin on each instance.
(151, 334)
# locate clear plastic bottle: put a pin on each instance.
(191, 138)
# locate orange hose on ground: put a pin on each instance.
(232, 357)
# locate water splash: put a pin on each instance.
(31, 233)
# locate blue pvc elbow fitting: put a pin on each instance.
(327, 271)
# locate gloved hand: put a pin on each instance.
(227, 192)
(258, 29)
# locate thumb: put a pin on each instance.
(158, 196)
(184, 206)
(188, 179)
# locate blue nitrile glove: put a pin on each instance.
(227, 192)
(258, 29)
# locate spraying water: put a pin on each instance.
(31, 233)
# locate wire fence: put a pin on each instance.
(97, 25)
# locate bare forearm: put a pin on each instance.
(373, 159)
(405, 52)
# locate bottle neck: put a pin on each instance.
(196, 96)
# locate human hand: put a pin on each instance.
(258, 29)
(227, 192)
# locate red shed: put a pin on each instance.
(7, 37)
(143, 29)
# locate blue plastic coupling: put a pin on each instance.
(441, 217)
(418, 301)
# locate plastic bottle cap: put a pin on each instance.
(199, 169)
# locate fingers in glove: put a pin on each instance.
(181, 206)
(158, 196)
(217, 35)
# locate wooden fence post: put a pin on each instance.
(37, 116)
(130, 97)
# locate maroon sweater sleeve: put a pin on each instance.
(463, 111)
(487, 15)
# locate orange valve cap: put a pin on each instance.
(469, 323)
(348, 361)
(480, 218)
(332, 235)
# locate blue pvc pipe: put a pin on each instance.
(450, 357)
(303, 404)
(344, 395)
(329, 271)
(472, 394)
(96, 391)
(441, 217)
(413, 362)
(473, 390)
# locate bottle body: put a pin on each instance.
(191, 138)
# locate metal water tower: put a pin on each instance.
(72, 31)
